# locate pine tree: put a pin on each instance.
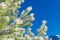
(11, 27)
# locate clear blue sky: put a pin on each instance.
(48, 10)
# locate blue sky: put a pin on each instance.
(48, 10)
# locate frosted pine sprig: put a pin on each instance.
(14, 30)
(29, 8)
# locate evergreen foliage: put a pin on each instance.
(14, 30)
